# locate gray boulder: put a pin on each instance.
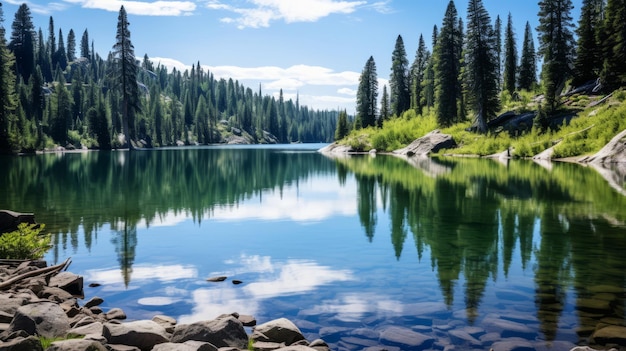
(9, 220)
(42, 318)
(93, 328)
(190, 345)
(76, 345)
(10, 303)
(280, 330)
(142, 334)
(114, 313)
(30, 343)
(406, 338)
(166, 322)
(69, 282)
(613, 152)
(335, 148)
(225, 331)
(429, 143)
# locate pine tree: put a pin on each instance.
(588, 63)
(510, 57)
(399, 80)
(61, 54)
(22, 42)
(613, 73)
(126, 76)
(480, 60)
(7, 91)
(429, 76)
(528, 62)
(498, 38)
(556, 46)
(71, 46)
(342, 126)
(367, 95)
(447, 68)
(418, 72)
(84, 45)
(385, 108)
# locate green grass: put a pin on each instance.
(47, 342)
(587, 133)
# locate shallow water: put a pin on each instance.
(346, 248)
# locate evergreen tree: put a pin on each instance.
(418, 72)
(7, 91)
(62, 113)
(447, 68)
(385, 107)
(342, 126)
(498, 38)
(588, 63)
(22, 42)
(367, 95)
(510, 57)
(556, 46)
(126, 76)
(613, 74)
(429, 76)
(528, 63)
(84, 45)
(480, 58)
(61, 54)
(399, 80)
(71, 46)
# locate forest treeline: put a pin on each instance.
(55, 90)
(475, 65)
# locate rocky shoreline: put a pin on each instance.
(37, 301)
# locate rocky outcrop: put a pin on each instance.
(613, 152)
(31, 308)
(9, 220)
(429, 143)
(336, 149)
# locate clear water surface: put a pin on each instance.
(343, 247)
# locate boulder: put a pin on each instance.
(93, 328)
(9, 220)
(69, 282)
(142, 334)
(166, 322)
(76, 345)
(406, 338)
(335, 148)
(30, 343)
(94, 301)
(429, 143)
(222, 332)
(114, 313)
(280, 330)
(55, 294)
(513, 344)
(613, 152)
(189, 345)
(9, 303)
(42, 318)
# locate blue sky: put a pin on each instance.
(314, 48)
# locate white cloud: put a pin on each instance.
(263, 12)
(142, 8)
(44, 9)
(347, 91)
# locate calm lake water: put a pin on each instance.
(346, 248)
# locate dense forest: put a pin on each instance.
(475, 65)
(57, 92)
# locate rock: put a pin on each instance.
(247, 321)
(266, 345)
(319, 345)
(190, 345)
(42, 318)
(237, 282)
(513, 344)
(166, 322)
(406, 338)
(335, 148)
(221, 332)
(508, 328)
(30, 343)
(55, 294)
(9, 220)
(117, 347)
(141, 334)
(9, 303)
(5, 317)
(609, 335)
(429, 143)
(115, 313)
(461, 337)
(216, 279)
(613, 152)
(94, 301)
(69, 282)
(93, 328)
(76, 345)
(280, 330)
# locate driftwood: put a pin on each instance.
(36, 273)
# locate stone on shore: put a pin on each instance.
(429, 143)
(280, 330)
(76, 345)
(406, 338)
(225, 331)
(142, 334)
(189, 345)
(70, 282)
(41, 318)
(30, 343)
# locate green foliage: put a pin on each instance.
(47, 342)
(26, 242)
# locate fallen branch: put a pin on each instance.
(36, 273)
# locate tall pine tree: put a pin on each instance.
(447, 68)
(126, 76)
(7, 91)
(510, 57)
(613, 73)
(556, 45)
(588, 63)
(367, 95)
(527, 77)
(22, 42)
(418, 73)
(480, 60)
(399, 80)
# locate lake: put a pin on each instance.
(464, 251)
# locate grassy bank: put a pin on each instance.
(586, 133)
